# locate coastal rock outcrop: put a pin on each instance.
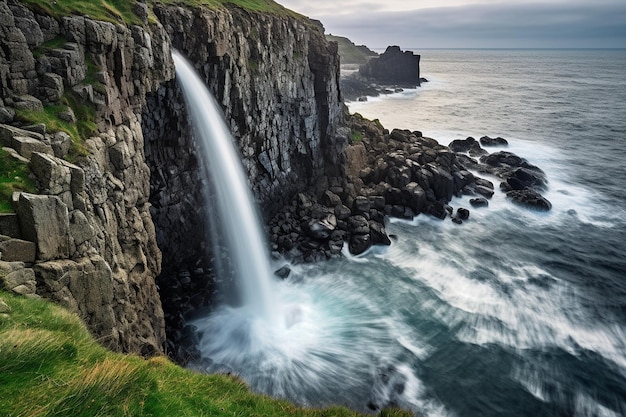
(394, 66)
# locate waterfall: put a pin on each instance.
(315, 339)
(234, 209)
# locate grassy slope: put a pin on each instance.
(51, 366)
(348, 51)
(122, 10)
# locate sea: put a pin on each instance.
(513, 313)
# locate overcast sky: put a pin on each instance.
(415, 24)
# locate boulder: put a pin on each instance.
(358, 225)
(283, 272)
(28, 102)
(378, 234)
(25, 146)
(17, 250)
(359, 243)
(436, 209)
(523, 178)
(468, 145)
(321, 229)
(479, 202)
(502, 158)
(530, 198)
(462, 213)
(487, 141)
(44, 219)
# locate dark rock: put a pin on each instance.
(358, 225)
(402, 135)
(321, 229)
(359, 243)
(457, 220)
(487, 141)
(330, 199)
(469, 145)
(361, 205)
(393, 66)
(463, 213)
(502, 158)
(378, 234)
(523, 178)
(283, 272)
(415, 197)
(529, 198)
(436, 209)
(342, 212)
(479, 202)
(484, 191)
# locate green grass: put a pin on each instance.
(348, 51)
(121, 11)
(14, 176)
(356, 136)
(47, 46)
(51, 366)
(84, 128)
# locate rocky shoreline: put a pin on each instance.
(396, 173)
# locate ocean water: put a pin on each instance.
(514, 312)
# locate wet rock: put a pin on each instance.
(479, 202)
(463, 213)
(358, 225)
(283, 272)
(378, 234)
(436, 209)
(321, 229)
(487, 141)
(468, 145)
(359, 244)
(522, 178)
(529, 198)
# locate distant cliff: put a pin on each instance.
(351, 53)
(92, 108)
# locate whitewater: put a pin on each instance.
(513, 313)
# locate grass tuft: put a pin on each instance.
(14, 176)
(84, 128)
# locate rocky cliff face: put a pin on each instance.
(96, 250)
(100, 222)
(276, 79)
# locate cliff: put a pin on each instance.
(92, 108)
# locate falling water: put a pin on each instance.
(235, 210)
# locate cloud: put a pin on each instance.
(555, 24)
